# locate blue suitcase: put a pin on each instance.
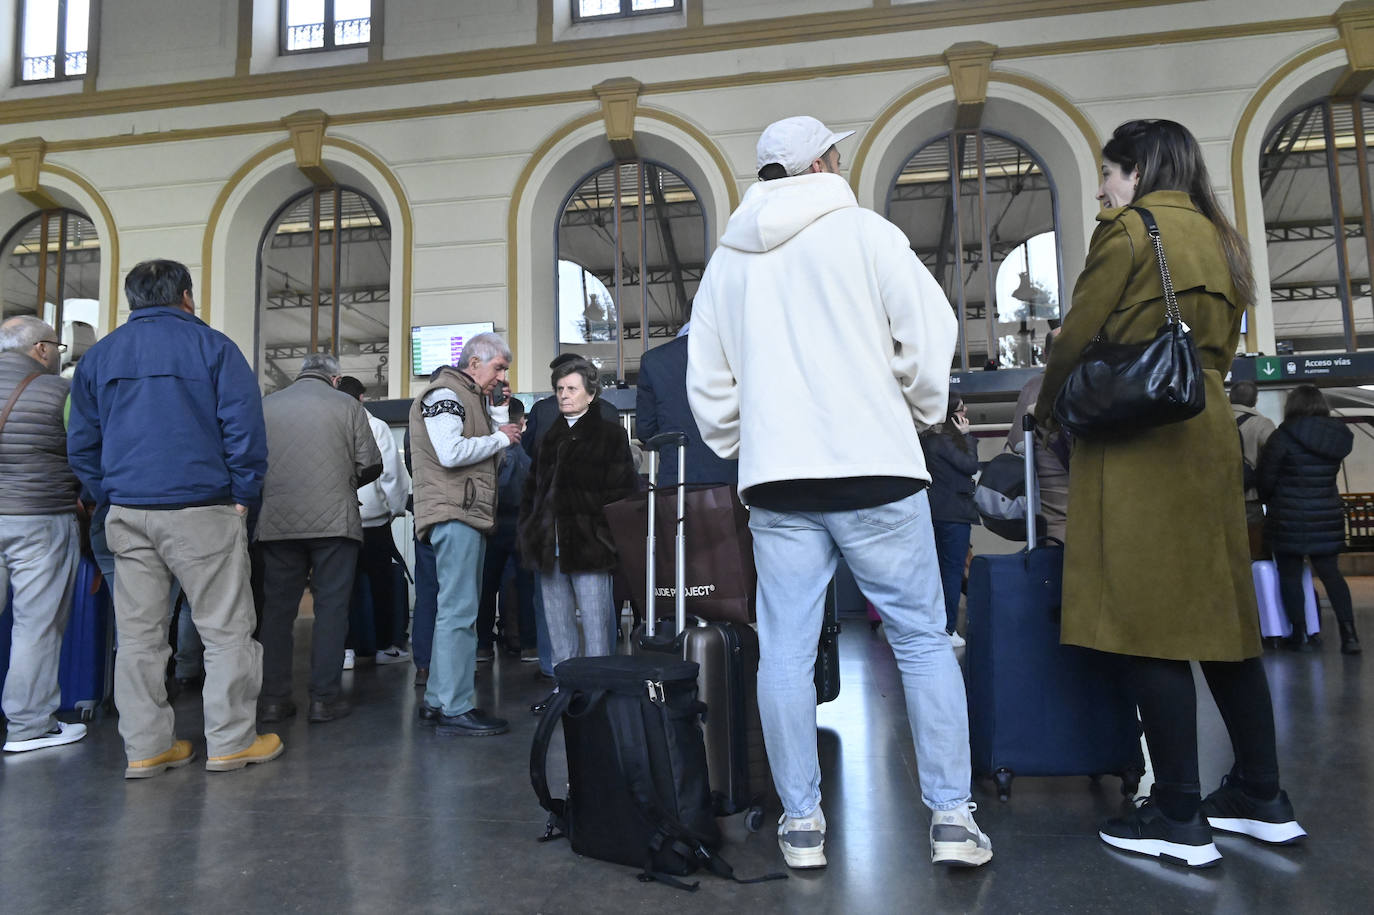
(1037, 707)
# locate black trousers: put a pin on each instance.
(1167, 699)
(500, 551)
(1328, 569)
(389, 620)
(329, 563)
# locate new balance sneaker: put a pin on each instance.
(956, 841)
(392, 655)
(1147, 831)
(802, 839)
(60, 734)
(1232, 810)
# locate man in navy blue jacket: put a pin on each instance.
(166, 427)
(661, 406)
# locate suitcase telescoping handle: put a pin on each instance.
(1032, 486)
(655, 445)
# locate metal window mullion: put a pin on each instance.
(329, 24)
(59, 64)
(955, 167)
(619, 272)
(643, 270)
(335, 254)
(1333, 179)
(315, 270)
(61, 272)
(1366, 203)
(989, 295)
(42, 260)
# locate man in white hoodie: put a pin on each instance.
(808, 298)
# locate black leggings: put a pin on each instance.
(1328, 569)
(1167, 700)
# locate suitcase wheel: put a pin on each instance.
(753, 819)
(1003, 779)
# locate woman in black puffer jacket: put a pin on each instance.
(952, 459)
(1297, 481)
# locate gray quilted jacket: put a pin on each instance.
(320, 449)
(34, 476)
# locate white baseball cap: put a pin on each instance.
(794, 143)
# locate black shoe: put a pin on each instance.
(1350, 642)
(1232, 810)
(322, 711)
(269, 712)
(472, 723)
(542, 705)
(429, 714)
(485, 655)
(1147, 831)
(1300, 643)
(421, 676)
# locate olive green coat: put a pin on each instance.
(1156, 559)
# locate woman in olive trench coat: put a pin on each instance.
(1156, 560)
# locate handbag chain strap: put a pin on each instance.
(1170, 300)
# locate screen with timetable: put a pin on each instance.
(433, 345)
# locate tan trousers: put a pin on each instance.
(206, 549)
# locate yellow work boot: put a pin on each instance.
(266, 747)
(179, 755)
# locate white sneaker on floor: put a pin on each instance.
(956, 840)
(350, 658)
(956, 639)
(63, 733)
(802, 839)
(392, 655)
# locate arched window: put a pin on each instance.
(324, 285)
(50, 265)
(969, 198)
(1315, 180)
(630, 253)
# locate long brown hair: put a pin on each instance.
(1169, 158)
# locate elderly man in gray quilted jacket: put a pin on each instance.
(38, 540)
(320, 449)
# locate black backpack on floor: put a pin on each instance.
(638, 790)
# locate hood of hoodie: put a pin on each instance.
(774, 211)
(1322, 435)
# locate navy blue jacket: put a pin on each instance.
(166, 411)
(661, 406)
(951, 476)
(1297, 479)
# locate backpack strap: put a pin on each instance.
(539, 776)
(14, 398)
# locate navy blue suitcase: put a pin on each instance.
(1037, 707)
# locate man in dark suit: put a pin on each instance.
(661, 406)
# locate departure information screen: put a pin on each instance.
(433, 345)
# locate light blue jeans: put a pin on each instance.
(458, 551)
(891, 551)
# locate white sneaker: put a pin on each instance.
(63, 733)
(956, 640)
(802, 839)
(350, 658)
(392, 655)
(956, 840)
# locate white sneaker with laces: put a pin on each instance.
(802, 839)
(62, 733)
(956, 640)
(392, 655)
(956, 840)
(350, 658)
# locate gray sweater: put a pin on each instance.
(34, 476)
(320, 449)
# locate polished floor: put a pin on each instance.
(376, 814)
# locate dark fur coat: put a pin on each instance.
(579, 469)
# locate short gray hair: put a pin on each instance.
(323, 363)
(485, 347)
(22, 331)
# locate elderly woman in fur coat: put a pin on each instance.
(584, 463)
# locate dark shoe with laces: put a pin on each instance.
(1230, 809)
(1147, 831)
(429, 714)
(1350, 642)
(269, 712)
(472, 723)
(322, 711)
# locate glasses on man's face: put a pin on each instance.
(61, 347)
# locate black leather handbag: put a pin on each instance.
(1118, 389)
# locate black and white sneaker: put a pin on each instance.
(1232, 810)
(1147, 831)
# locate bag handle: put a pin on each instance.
(1170, 300)
(539, 776)
(14, 398)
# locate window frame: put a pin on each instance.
(60, 74)
(626, 12)
(329, 22)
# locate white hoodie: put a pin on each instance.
(385, 497)
(820, 344)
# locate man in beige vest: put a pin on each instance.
(455, 451)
